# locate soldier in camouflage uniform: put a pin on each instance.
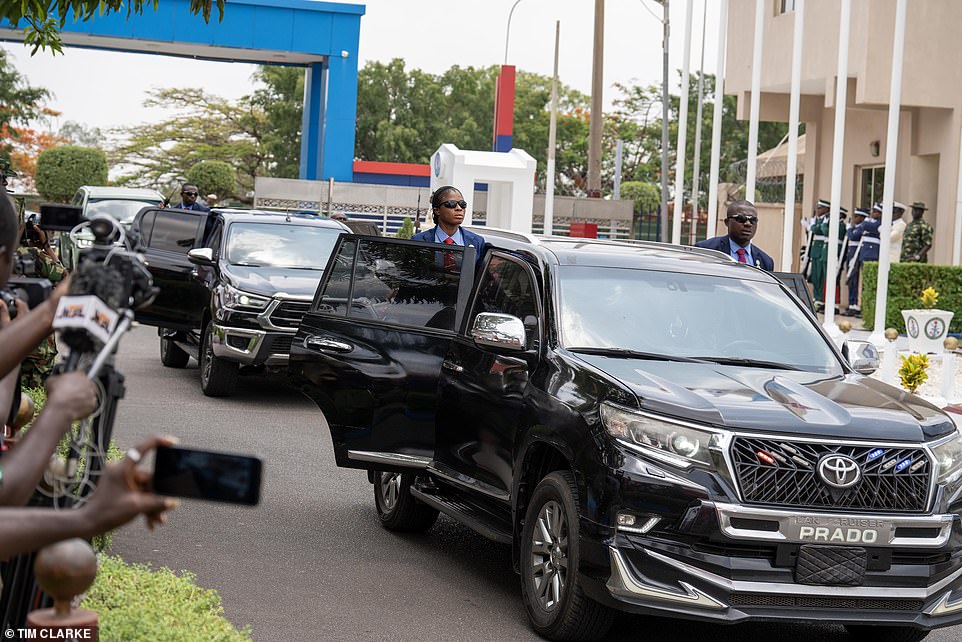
(918, 237)
(38, 259)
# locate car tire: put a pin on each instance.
(553, 597)
(397, 508)
(864, 633)
(171, 355)
(217, 377)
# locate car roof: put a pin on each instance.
(126, 193)
(266, 216)
(645, 255)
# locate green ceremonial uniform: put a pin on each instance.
(819, 254)
(918, 236)
(37, 366)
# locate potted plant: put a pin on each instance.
(927, 327)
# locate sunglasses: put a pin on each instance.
(742, 218)
(188, 193)
(452, 204)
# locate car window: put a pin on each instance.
(688, 315)
(146, 224)
(282, 245)
(123, 210)
(506, 287)
(396, 283)
(174, 231)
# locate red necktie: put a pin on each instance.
(449, 263)
(741, 255)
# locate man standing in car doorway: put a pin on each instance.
(742, 223)
(188, 199)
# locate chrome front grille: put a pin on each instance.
(288, 314)
(781, 472)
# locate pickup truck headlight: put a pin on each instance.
(240, 300)
(678, 444)
(948, 454)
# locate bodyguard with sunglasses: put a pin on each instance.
(742, 223)
(188, 196)
(447, 208)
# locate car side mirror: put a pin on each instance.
(201, 256)
(495, 330)
(862, 356)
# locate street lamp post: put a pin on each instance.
(507, 31)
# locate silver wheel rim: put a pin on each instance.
(549, 555)
(390, 486)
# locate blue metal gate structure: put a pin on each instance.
(320, 36)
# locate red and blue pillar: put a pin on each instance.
(504, 110)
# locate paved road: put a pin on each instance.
(311, 562)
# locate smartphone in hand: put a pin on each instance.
(213, 476)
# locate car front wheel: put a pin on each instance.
(171, 355)
(397, 508)
(217, 377)
(556, 604)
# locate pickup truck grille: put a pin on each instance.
(290, 313)
(782, 472)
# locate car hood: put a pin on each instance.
(268, 281)
(849, 406)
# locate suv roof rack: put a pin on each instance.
(703, 251)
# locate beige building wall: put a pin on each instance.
(929, 136)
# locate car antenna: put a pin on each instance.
(166, 202)
(417, 213)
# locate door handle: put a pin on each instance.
(453, 367)
(327, 344)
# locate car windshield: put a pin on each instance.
(617, 311)
(285, 245)
(123, 210)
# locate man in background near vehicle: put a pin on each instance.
(337, 216)
(211, 200)
(742, 224)
(188, 196)
(851, 265)
(898, 232)
(36, 259)
(918, 237)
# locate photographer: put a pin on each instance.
(36, 258)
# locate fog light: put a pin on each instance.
(628, 523)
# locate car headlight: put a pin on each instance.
(678, 444)
(948, 455)
(240, 300)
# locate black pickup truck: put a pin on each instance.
(234, 285)
(651, 428)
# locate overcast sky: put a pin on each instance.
(107, 89)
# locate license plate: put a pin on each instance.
(839, 530)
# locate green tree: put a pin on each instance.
(77, 134)
(61, 170)
(205, 127)
(281, 99)
(406, 230)
(213, 177)
(20, 103)
(43, 19)
(405, 115)
(646, 196)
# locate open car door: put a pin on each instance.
(371, 349)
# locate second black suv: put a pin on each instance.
(653, 429)
(234, 285)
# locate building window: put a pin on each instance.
(784, 6)
(870, 182)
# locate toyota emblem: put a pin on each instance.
(839, 471)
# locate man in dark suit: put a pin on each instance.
(742, 223)
(447, 208)
(188, 199)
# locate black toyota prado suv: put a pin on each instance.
(234, 285)
(653, 429)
